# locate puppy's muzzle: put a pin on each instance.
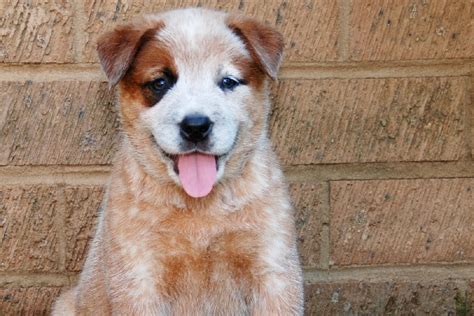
(195, 128)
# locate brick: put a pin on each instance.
(309, 27)
(27, 300)
(471, 115)
(407, 29)
(449, 297)
(82, 205)
(36, 31)
(402, 221)
(370, 120)
(308, 201)
(29, 237)
(471, 288)
(68, 123)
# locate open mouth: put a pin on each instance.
(174, 158)
(197, 171)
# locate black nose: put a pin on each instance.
(195, 128)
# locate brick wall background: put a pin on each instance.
(373, 120)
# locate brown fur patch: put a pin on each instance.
(251, 72)
(264, 43)
(152, 61)
(117, 49)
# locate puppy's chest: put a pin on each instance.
(228, 258)
(201, 257)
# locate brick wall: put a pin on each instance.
(372, 119)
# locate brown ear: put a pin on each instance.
(118, 48)
(264, 43)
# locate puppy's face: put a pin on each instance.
(193, 91)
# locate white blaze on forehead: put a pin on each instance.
(199, 34)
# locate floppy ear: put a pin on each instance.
(264, 43)
(118, 48)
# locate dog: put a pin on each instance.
(196, 218)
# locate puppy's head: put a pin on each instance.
(193, 95)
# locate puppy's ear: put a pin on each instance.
(264, 43)
(117, 48)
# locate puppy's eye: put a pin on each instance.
(156, 89)
(160, 85)
(229, 83)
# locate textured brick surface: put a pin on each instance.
(402, 221)
(471, 115)
(36, 31)
(82, 205)
(369, 120)
(68, 122)
(407, 29)
(308, 201)
(364, 230)
(450, 297)
(471, 301)
(309, 27)
(27, 300)
(28, 234)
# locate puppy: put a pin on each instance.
(196, 218)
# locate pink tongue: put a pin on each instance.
(197, 173)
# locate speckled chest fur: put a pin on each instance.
(196, 218)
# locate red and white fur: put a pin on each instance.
(157, 250)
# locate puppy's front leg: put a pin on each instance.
(279, 295)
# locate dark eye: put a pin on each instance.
(229, 83)
(160, 85)
(156, 89)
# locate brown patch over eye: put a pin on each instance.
(117, 49)
(152, 74)
(264, 43)
(252, 74)
(156, 89)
